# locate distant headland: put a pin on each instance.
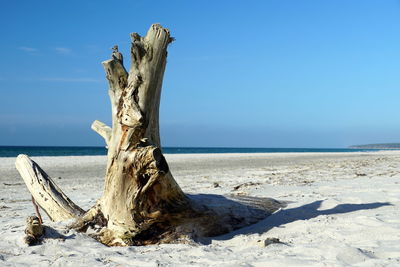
(378, 146)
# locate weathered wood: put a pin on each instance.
(139, 190)
(141, 201)
(45, 192)
(34, 230)
(37, 211)
(103, 130)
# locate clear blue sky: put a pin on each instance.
(240, 73)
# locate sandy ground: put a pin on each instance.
(344, 210)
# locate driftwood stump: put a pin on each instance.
(141, 201)
(34, 230)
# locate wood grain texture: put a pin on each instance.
(45, 192)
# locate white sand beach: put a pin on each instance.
(343, 210)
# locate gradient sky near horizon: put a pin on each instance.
(240, 74)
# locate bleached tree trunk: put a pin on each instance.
(139, 190)
(141, 201)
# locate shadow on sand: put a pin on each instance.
(235, 215)
(51, 233)
(285, 216)
(227, 213)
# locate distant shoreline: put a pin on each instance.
(392, 146)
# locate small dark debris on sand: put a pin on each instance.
(8, 184)
(270, 241)
(245, 185)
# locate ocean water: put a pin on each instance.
(13, 151)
